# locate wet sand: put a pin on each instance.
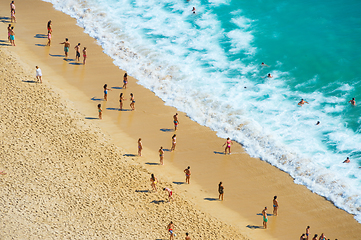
(250, 184)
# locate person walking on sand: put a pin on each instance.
(187, 171)
(66, 47)
(170, 228)
(161, 155)
(173, 142)
(100, 111)
(347, 160)
(307, 232)
(84, 55)
(220, 191)
(77, 52)
(187, 237)
(125, 80)
(140, 147)
(175, 121)
(302, 102)
(132, 101)
(275, 206)
(38, 74)
(228, 146)
(170, 194)
(265, 217)
(9, 32)
(12, 36)
(49, 32)
(106, 92)
(154, 182)
(353, 102)
(121, 99)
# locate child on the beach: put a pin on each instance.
(132, 101)
(100, 111)
(161, 155)
(84, 55)
(140, 147)
(125, 80)
(106, 92)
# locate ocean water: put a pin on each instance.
(208, 64)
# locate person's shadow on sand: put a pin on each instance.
(5, 19)
(254, 227)
(211, 199)
(40, 35)
(4, 43)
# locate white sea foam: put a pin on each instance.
(171, 50)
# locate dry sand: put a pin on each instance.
(65, 180)
(250, 184)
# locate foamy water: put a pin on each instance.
(208, 65)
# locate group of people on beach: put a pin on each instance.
(121, 99)
(305, 236)
(11, 33)
(77, 48)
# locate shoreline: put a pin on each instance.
(125, 127)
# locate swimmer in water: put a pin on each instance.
(302, 102)
(194, 10)
(353, 102)
(347, 160)
(318, 123)
(264, 65)
(228, 146)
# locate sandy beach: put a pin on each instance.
(70, 175)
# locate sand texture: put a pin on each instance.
(66, 181)
(73, 182)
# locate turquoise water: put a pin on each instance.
(208, 65)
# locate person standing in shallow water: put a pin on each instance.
(84, 55)
(220, 191)
(121, 99)
(228, 146)
(49, 32)
(353, 102)
(66, 47)
(275, 206)
(77, 52)
(106, 92)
